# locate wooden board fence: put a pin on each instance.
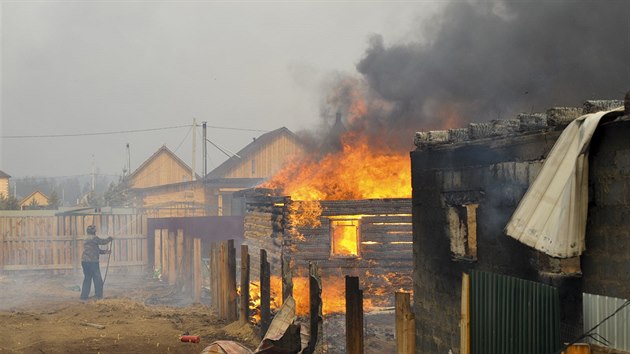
(56, 242)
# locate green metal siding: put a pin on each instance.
(513, 316)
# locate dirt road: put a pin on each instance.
(139, 315)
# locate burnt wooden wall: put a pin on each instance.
(385, 259)
(263, 230)
(385, 238)
(29, 241)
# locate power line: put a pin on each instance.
(184, 139)
(241, 129)
(91, 134)
(121, 132)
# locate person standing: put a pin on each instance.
(90, 263)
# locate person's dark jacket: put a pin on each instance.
(91, 251)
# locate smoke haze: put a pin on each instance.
(482, 60)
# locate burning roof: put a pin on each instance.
(360, 170)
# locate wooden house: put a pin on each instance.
(163, 186)
(34, 200)
(369, 238)
(4, 184)
(259, 160)
(262, 158)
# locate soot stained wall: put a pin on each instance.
(493, 174)
(606, 262)
(497, 173)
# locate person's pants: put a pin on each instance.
(91, 272)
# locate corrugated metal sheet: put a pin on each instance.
(551, 217)
(616, 330)
(511, 315)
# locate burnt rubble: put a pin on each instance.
(555, 118)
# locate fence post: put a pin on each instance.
(188, 262)
(287, 277)
(3, 247)
(315, 309)
(164, 236)
(405, 325)
(223, 298)
(179, 278)
(464, 326)
(244, 308)
(197, 270)
(172, 272)
(213, 275)
(354, 316)
(232, 311)
(76, 257)
(265, 292)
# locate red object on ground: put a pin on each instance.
(190, 339)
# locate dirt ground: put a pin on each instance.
(139, 314)
(43, 314)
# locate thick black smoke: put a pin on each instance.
(484, 60)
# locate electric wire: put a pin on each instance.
(590, 333)
(93, 133)
(185, 137)
(124, 132)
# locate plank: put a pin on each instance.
(197, 269)
(405, 324)
(354, 316)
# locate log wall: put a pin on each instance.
(385, 239)
(385, 260)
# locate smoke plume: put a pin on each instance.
(482, 60)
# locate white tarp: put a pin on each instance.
(551, 217)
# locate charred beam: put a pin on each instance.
(265, 292)
(354, 316)
(244, 308)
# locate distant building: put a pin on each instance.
(4, 184)
(253, 164)
(36, 200)
(163, 186)
(262, 158)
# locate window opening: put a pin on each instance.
(344, 237)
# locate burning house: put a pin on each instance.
(368, 238)
(467, 184)
(348, 211)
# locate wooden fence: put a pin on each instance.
(177, 257)
(55, 242)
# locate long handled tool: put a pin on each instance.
(109, 256)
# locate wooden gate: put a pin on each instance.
(40, 241)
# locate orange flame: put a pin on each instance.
(378, 290)
(344, 237)
(359, 171)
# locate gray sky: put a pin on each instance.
(100, 66)
(85, 66)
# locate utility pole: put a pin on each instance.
(128, 160)
(93, 172)
(194, 147)
(205, 150)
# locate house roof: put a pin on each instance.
(248, 150)
(31, 195)
(167, 151)
(4, 175)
